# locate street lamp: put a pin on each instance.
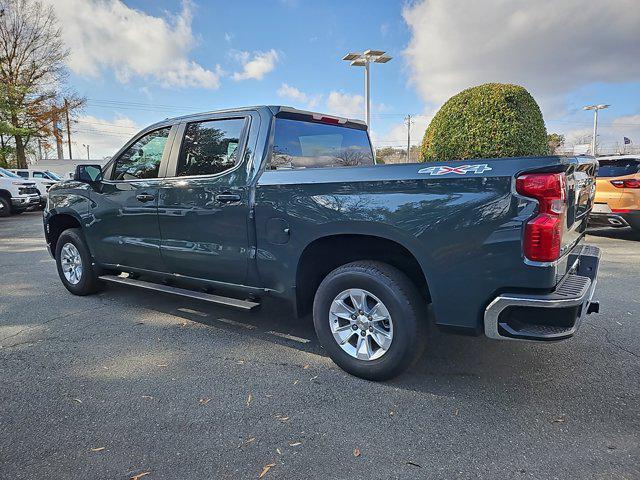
(87, 146)
(364, 59)
(595, 109)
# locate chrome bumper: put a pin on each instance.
(529, 316)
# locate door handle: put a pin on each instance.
(228, 197)
(145, 197)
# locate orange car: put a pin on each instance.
(617, 200)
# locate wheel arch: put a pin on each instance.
(327, 253)
(56, 224)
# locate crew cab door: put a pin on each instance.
(203, 206)
(124, 228)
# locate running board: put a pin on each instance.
(207, 297)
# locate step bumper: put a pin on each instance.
(551, 316)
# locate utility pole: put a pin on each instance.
(87, 150)
(408, 121)
(595, 109)
(66, 113)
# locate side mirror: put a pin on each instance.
(88, 173)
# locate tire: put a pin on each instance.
(5, 207)
(402, 303)
(86, 281)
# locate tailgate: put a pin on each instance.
(581, 187)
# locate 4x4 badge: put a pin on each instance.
(461, 170)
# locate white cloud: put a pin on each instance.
(345, 104)
(256, 66)
(109, 34)
(298, 97)
(551, 47)
(104, 137)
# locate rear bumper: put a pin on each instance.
(551, 316)
(615, 219)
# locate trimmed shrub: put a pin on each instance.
(487, 121)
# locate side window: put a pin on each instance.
(142, 159)
(23, 174)
(38, 175)
(210, 147)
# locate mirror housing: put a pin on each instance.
(87, 173)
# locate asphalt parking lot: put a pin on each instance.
(130, 383)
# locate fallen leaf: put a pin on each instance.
(611, 447)
(559, 419)
(279, 451)
(162, 365)
(139, 475)
(455, 413)
(147, 397)
(392, 413)
(249, 400)
(265, 469)
(282, 418)
(183, 324)
(305, 367)
(240, 362)
(296, 382)
(295, 444)
(313, 378)
(414, 464)
(77, 400)
(204, 401)
(250, 440)
(356, 452)
(139, 323)
(97, 449)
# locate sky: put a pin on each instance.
(138, 62)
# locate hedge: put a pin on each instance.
(487, 121)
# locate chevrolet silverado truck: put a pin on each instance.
(16, 194)
(233, 206)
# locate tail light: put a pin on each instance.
(629, 183)
(543, 233)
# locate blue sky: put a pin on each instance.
(141, 61)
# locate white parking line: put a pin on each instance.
(289, 337)
(237, 324)
(193, 312)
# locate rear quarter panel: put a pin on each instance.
(464, 230)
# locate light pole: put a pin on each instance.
(595, 109)
(87, 146)
(364, 59)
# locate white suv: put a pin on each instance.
(16, 194)
(42, 178)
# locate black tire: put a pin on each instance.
(5, 206)
(15, 211)
(404, 303)
(88, 282)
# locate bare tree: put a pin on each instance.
(32, 73)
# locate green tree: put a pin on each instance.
(555, 142)
(32, 74)
(487, 121)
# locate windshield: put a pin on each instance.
(52, 176)
(7, 173)
(301, 144)
(618, 167)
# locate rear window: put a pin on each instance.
(618, 167)
(300, 144)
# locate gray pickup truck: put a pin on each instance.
(233, 206)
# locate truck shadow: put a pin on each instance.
(449, 362)
(626, 233)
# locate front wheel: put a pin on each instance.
(75, 265)
(370, 318)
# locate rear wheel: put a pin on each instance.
(370, 319)
(75, 265)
